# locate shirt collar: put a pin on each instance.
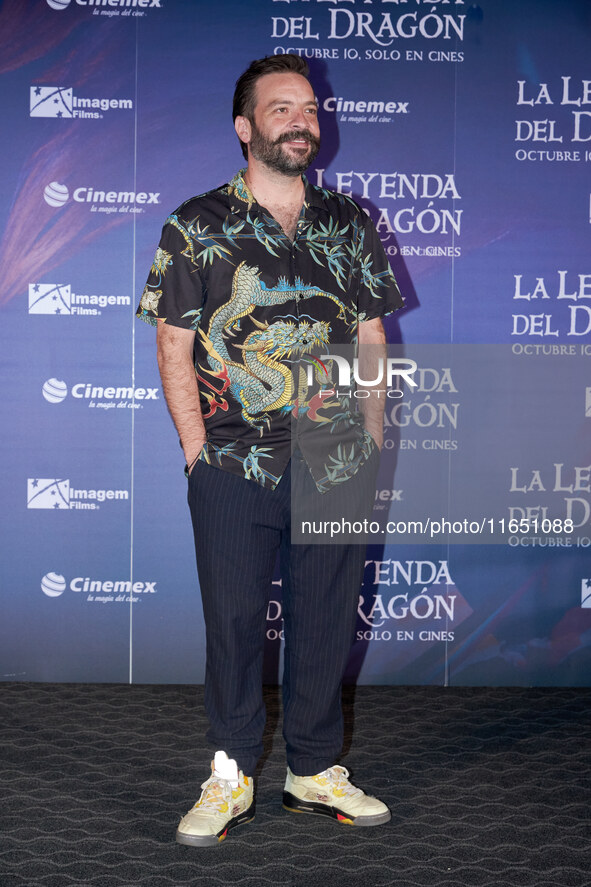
(242, 199)
(313, 196)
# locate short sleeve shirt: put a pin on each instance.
(265, 311)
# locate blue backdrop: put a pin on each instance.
(465, 130)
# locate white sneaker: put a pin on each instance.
(227, 800)
(331, 794)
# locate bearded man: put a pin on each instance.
(250, 281)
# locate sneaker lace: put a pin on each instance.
(215, 793)
(338, 777)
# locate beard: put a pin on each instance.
(275, 157)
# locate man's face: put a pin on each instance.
(284, 133)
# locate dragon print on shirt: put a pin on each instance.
(262, 382)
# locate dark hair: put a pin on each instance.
(244, 94)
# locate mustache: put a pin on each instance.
(298, 134)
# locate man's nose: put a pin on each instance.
(298, 120)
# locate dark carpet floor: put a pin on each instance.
(487, 787)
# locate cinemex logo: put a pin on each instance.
(363, 110)
(55, 391)
(97, 590)
(60, 102)
(122, 7)
(53, 584)
(58, 298)
(384, 497)
(57, 195)
(56, 494)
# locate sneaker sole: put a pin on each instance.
(216, 840)
(295, 805)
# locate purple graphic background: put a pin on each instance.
(486, 221)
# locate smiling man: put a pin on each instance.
(281, 98)
(249, 282)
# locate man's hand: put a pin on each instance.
(372, 354)
(177, 371)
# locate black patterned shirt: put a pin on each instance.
(265, 311)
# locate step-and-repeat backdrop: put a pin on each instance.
(464, 129)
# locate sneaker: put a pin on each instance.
(331, 794)
(227, 800)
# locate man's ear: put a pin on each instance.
(243, 129)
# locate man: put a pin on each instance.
(250, 281)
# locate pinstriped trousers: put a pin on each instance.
(239, 528)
